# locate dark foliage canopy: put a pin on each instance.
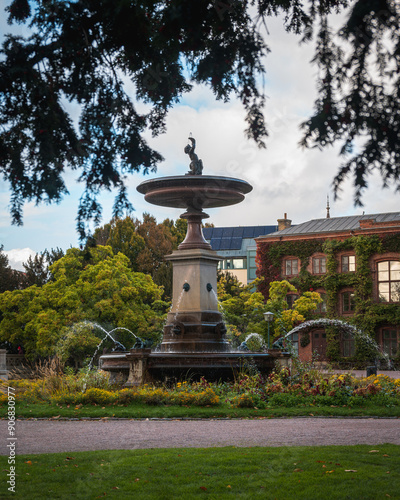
(106, 55)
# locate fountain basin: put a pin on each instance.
(194, 191)
(145, 366)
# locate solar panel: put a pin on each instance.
(236, 244)
(225, 244)
(216, 243)
(227, 232)
(237, 232)
(248, 232)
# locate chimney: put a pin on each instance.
(284, 223)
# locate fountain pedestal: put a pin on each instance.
(194, 323)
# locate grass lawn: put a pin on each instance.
(138, 410)
(324, 472)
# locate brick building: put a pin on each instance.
(354, 263)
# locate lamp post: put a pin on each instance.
(269, 318)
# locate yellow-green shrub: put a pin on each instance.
(244, 401)
(126, 396)
(99, 396)
(155, 396)
(68, 398)
(206, 398)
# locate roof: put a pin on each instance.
(336, 224)
(231, 238)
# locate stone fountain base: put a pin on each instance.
(140, 366)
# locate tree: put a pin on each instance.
(103, 290)
(86, 52)
(286, 318)
(10, 279)
(145, 243)
(123, 237)
(37, 269)
(243, 308)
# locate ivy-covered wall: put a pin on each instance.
(369, 315)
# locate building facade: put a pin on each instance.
(237, 247)
(354, 263)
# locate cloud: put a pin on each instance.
(17, 256)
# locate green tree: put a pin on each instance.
(286, 318)
(10, 279)
(78, 342)
(105, 291)
(36, 270)
(145, 243)
(123, 237)
(85, 52)
(244, 309)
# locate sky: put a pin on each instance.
(285, 178)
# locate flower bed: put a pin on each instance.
(280, 389)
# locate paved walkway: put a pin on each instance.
(49, 436)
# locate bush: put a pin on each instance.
(99, 396)
(127, 396)
(155, 396)
(245, 400)
(206, 398)
(68, 398)
(287, 400)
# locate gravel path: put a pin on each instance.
(49, 436)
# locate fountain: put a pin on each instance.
(194, 339)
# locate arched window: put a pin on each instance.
(389, 281)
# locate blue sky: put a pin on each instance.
(285, 178)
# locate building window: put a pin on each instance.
(348, 263)
(389, 281)
(251, 265)
(319, 265)
(228, 264)
(321, 307)
(348, 302)
(291, 267)
(389, 341)
(290, 299)
(349, 347)
(294, 340)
